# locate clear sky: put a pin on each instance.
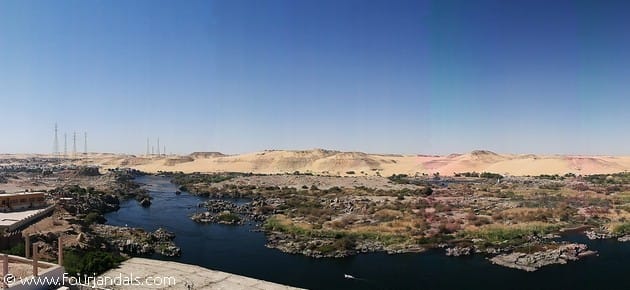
(376, 76)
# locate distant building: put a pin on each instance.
(21, 201)
(18, 210)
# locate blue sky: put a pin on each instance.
(376, 76)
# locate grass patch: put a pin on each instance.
(276, 224)
(621, 228)
(497, 234)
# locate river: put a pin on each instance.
(240, 250)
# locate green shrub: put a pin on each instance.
(622, 229)
(467, 174)
(550, 177)
(399, 178)
(229, 217)
(17, 250)
(78, 262)
(93, 217)
(491, 175)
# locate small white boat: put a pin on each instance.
(348, 276)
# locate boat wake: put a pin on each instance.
(346, 276)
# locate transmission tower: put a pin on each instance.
(85, 143)
(65, 145)
(74, 144)
(158, 146)
(147, 146)
(56, 144)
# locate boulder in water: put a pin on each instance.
(145, 202)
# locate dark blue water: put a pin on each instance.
(237, 249)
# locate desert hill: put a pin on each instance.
(320, 161)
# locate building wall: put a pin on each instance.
(21, 201)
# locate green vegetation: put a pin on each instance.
(621, 229)
(512, 234)
(77, 190)
(184, 179)
(302, 173)
(341, 244)
(273, 224)
(93, 217)
(550, 177)
(615, 178)
(17, 250)
(488, 175)
(399, 178)
(78, 262)
(504, 215)
(228, 217)
(405, 179)
(491, 175)
(467, 174)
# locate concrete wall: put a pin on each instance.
(30, 219)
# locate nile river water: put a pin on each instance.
(240, 250)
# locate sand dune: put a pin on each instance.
(319, 161)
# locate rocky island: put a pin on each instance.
(557, 254)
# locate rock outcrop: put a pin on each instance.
(458, 251)
(532, 262)
(228, 212)
(332, 247)
(598, 235)
(145, 202)
(138, 242)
